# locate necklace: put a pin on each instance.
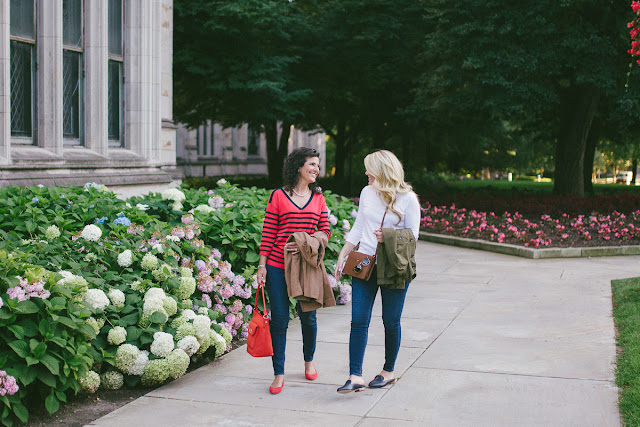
(298, 194)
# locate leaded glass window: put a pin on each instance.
(253, 148)
(72, 72)
(116, 81)
(22, 69)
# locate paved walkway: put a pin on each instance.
(488, 339)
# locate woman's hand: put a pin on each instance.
(291, 247)
(262, 275)
(339, 266)
(379, 235)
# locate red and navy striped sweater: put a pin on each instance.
(283, 218)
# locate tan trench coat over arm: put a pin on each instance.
(305, 274)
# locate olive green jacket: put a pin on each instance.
(396, 261)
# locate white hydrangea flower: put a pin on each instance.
(178, 362)
(203, 310)
(226, 335)
(221, 181)
(155, 372)
(189, 314)
(151, 305)
(172, 238)
(52, 232)
(184, 330)
(126, 357)
(346, 226)
(90, 382)
(158, 247)
(219, 343)
(216, 202)
(170, 306)
(187, 287)
(140, 363)
(354, 213)
(333, 220)
(149, 262)
(162, 344)
(176, 206)
(202, 325)
(117, 335)
(96, 298)
(91, 232)
(173, 194)
(186, 272)
(125, 259)
(189, 345)
(117, 297)
(112, 380)
(142, 207)
(155, 293)
(204, 209)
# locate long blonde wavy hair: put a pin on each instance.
(388, 175)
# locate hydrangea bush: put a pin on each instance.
(102, 292)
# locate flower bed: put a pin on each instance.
(98, 292)
(564, 230)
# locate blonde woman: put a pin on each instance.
(386, 192)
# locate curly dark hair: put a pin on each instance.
(291, 173)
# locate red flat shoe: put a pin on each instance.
(276, 390)
(311, 377)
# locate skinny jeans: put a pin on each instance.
(363, 296)
(276, 288)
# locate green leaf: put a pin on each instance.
(129, 320)
(158, 317)
(133, 333)
(28, 377)
(51, 363)
(67, 322)
(4, 314)
(40, 349)
(46, 377)
(21, 412)
(252, 257)
(31, 360)
(17, 330)
(20, 347)
(26, 307)
(30, 328)
(52, 403)
(59, 341)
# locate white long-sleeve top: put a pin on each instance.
(370, 211)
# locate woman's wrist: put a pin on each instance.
(262, 266)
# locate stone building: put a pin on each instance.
(86, 92)
(212, 150)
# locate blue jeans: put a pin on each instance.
(276, 288)
(363, 297)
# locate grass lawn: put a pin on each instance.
(626, 312)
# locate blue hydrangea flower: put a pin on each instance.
(35, 200)
(101, 220)
(122, 220)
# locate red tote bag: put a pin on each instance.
(259, 339)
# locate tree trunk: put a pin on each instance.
(340, 139)
(634, 169)
(578, 107)
(589, 156)
(276, 150)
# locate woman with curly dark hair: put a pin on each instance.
(298, 206)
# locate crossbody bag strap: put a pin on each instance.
(381, 223)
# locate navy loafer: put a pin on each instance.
(379, 382)
(348, 387)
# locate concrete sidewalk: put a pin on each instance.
(487, 339)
